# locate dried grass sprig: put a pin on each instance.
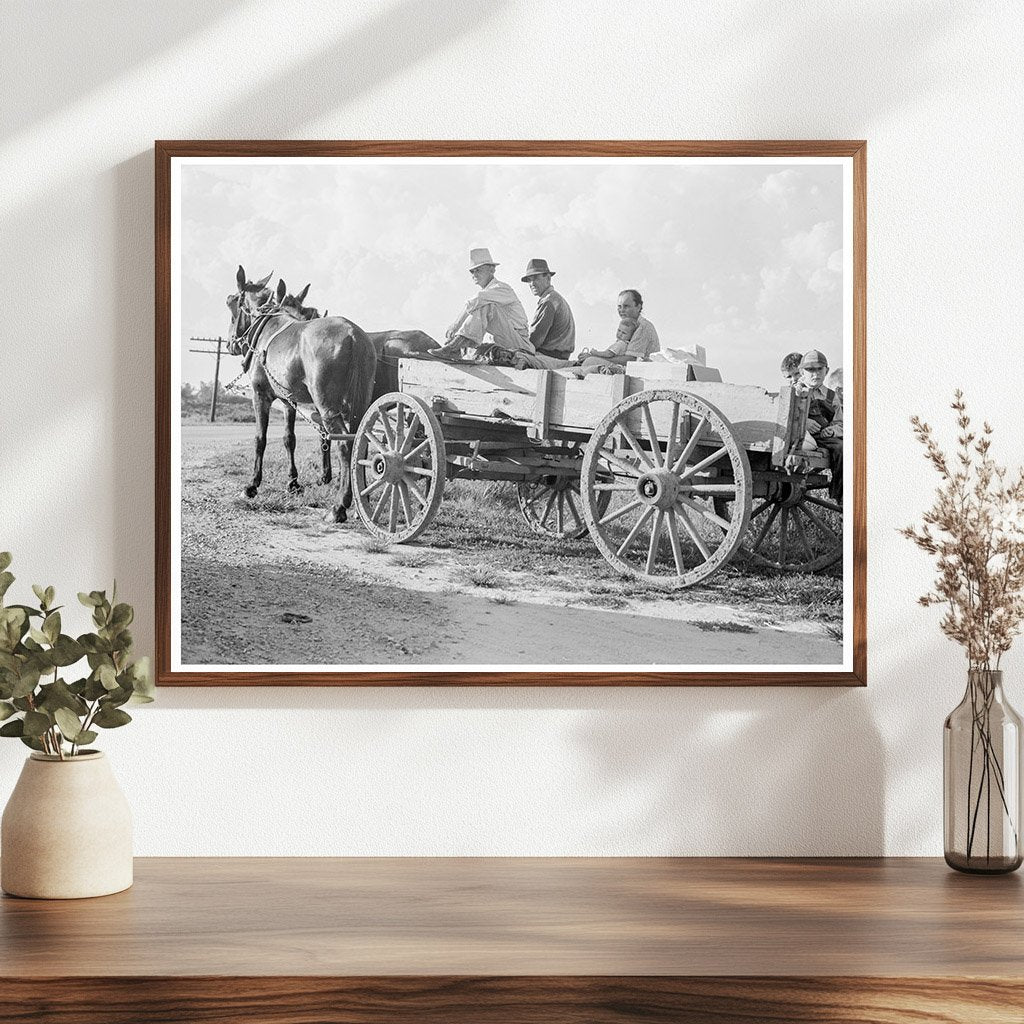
(975, 530)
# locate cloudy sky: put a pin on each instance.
(744, 259)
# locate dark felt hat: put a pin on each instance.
(535, 267)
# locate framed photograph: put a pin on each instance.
(527, 413)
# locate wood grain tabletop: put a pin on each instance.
(357, 940)
(515, 916)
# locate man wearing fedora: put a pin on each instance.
(495, 310)
(552, 330)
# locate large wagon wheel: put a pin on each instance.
(398, 467)
(553, 507)
(664, 456)
(795, 529)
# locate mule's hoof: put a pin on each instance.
(340, 515)
(326, 479)
(251, 492)
(295, 487)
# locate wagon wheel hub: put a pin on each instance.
(391, 466)
(658, 489)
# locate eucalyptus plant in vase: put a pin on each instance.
(66, 831)
(975, 530)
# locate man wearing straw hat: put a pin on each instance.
(495, 310)
(552, 330)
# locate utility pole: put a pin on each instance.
(216, 370)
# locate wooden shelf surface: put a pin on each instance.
(379, 935)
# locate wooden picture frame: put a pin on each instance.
(171, 333)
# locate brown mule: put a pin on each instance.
(328, 363)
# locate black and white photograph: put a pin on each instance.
(511, 414)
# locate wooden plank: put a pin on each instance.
(480, 390)
(448, 999)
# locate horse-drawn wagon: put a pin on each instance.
(671, 478)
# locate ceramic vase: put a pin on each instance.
(66, 831)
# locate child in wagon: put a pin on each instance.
(824, 415)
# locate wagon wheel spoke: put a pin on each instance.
(615, 487)
(652, 547)
(372, 440)
(419, 471)
(620, 464)
(619, 512)
(634, 443)
(414, 491)
(690, 445)
(783, 529)
(825, 530)
(760, 508)
(673, 536)
(712, 488)
(560, 512)
(400, 426)
(672, 431)
(416, 452)
(704, 463)
(403, 491)
(712, 517)
(637, 527)
(370, 488)
(765, 527)
(830, 505)
(652, 435)
(571, 501)
(410, 435)
(547, 508)
(389, 430)
(801, 534)
(393, 512)
(694, 535)
(380, 502)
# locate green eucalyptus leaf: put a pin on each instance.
(6, 710)
(31, 741)
(13, 626)
(115, 698)
(38, 635)
(5, 559)
(51, 626)
(15, 728)
(59, 695)
(22, 703)
(86, 736)
(66, 651)
(28, 610)
(122, 616)
(40, 593)
(100, 649)
(69, 724)
(36, 723)
(6, 579)
(111, 718)
(27, 681)
(107, 676)
(142, 679)
(9, 663)
(94, 689)
(50, 595)
(89, 600)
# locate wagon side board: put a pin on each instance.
(546, 399)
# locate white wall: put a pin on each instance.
(936, 87)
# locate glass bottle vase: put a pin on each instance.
(981, 774)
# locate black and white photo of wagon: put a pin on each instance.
(452, 501)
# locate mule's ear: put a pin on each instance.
(263, 283)
(240, 277)
(282, 290)
(301, 297)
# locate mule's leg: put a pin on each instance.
(325, 451)
(337, 425)
(289, 445)
(261, 403)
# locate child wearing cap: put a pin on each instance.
(824, 414)
(790, 367)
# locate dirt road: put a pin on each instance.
(271, 583)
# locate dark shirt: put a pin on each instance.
(553, 330)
